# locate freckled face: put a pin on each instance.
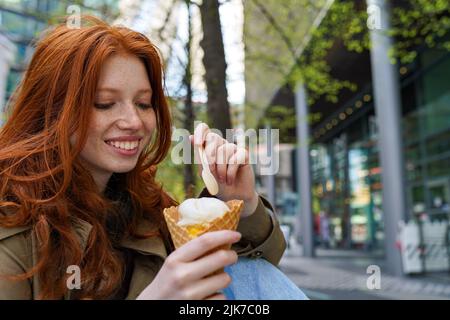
(123, 118)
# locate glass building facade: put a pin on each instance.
(346, 170)
(347, 185)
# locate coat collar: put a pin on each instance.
(149, 246)
(143, 272)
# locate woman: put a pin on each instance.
(87, 126)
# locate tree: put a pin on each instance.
(419, 23)
(215, 66)
(184, 111)
(189, 117)
(294, 49)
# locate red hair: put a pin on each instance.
(42, 182)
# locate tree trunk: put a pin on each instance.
(189, 177)
(215, 66)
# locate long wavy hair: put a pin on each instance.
(42, 182)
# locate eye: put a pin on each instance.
(103, 105)
(144, 106)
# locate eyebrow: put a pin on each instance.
(116, 90)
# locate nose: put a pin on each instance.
(130, 118)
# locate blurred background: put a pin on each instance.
(360, 94)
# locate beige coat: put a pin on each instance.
(261, 238)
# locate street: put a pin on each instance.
(342, 274)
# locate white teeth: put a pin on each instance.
(126, 145)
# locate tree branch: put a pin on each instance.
(166, 21)
(276, 26)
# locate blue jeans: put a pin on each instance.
(258, 279)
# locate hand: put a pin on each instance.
(230, 166)
(186, 272)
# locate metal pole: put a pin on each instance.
(270, 178)
(388, 112)
(303, 172)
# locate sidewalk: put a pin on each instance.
(342, 274)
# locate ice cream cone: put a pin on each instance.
(182, 234)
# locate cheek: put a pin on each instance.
(94, 139)
(90, 148)
(150, 123)
(97, 128)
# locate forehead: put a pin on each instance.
(123, 73)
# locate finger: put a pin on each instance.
(238, 159)
(197, 160)
(210, 263)
(210, 285)
(198, 247)
(218, 296)
(224, 153)
(213, 141)
(200, 133)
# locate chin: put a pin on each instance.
(121, 167)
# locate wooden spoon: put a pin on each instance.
(207, 176)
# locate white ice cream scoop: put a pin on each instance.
(201, 210)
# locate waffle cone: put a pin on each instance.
(182, 234)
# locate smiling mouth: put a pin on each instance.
(124, 145)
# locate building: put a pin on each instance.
(7, 54)
(21, 21)
(345, 152)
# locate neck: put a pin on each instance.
(101, 180)
(101, 177)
